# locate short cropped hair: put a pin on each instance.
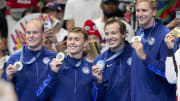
(122, 26)
(37, 20)
(153, 3)
(79, 30)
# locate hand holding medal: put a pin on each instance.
(18, 65)
(56, 62)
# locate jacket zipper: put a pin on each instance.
(75, 86)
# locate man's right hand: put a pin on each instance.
(55, 63)
(169, 40)
(10, 71)
(97, 72)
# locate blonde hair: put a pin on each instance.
(37, 20)
(153, 3)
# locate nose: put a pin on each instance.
(139, 13)
(72, 42)
(108, 36)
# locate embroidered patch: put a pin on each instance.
(45, 60)
(129, 61)
(108, 65)
(85, 70)
(151, 41)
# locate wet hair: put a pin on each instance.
(153, 3)
(122, 26)
(79, 30)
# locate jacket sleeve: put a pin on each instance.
(157, 64)
(43, 92)
(97, 91)
(171, 67)
(4, 76)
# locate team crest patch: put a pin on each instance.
(45, 60)
(85, 70)
(129, 61)
(151, 41)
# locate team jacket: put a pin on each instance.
(148, 81)
(72, 82)
(28, 78)
(116, 76)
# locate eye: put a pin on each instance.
(28, 32)
(94, 27)
(87, 28)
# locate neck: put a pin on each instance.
(76, 56)
(121, 46)
(35, 49)
(150, 24)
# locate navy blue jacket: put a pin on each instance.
(116, 76)
(28, 78)
(71, 83)
(148, 82)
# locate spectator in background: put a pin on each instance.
(173, 24)
(56, 34)
(110, 9)
(78, 11)
(2, 7)
(4, 34)
(148, 81)
(3, 57)
(93, 35)
(29, 11)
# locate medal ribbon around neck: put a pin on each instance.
(33, 59)
(149, 35)
(102, 62)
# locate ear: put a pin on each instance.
(124, 35)
(154, 12)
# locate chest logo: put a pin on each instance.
(85, 70)
(46, 60)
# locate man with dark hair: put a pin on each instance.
(112, 67)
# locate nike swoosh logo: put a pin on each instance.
(109, 65)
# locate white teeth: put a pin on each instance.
(143, 17)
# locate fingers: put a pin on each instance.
(96, 70)
(10, 71)
(136, 44)
(55, 62)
